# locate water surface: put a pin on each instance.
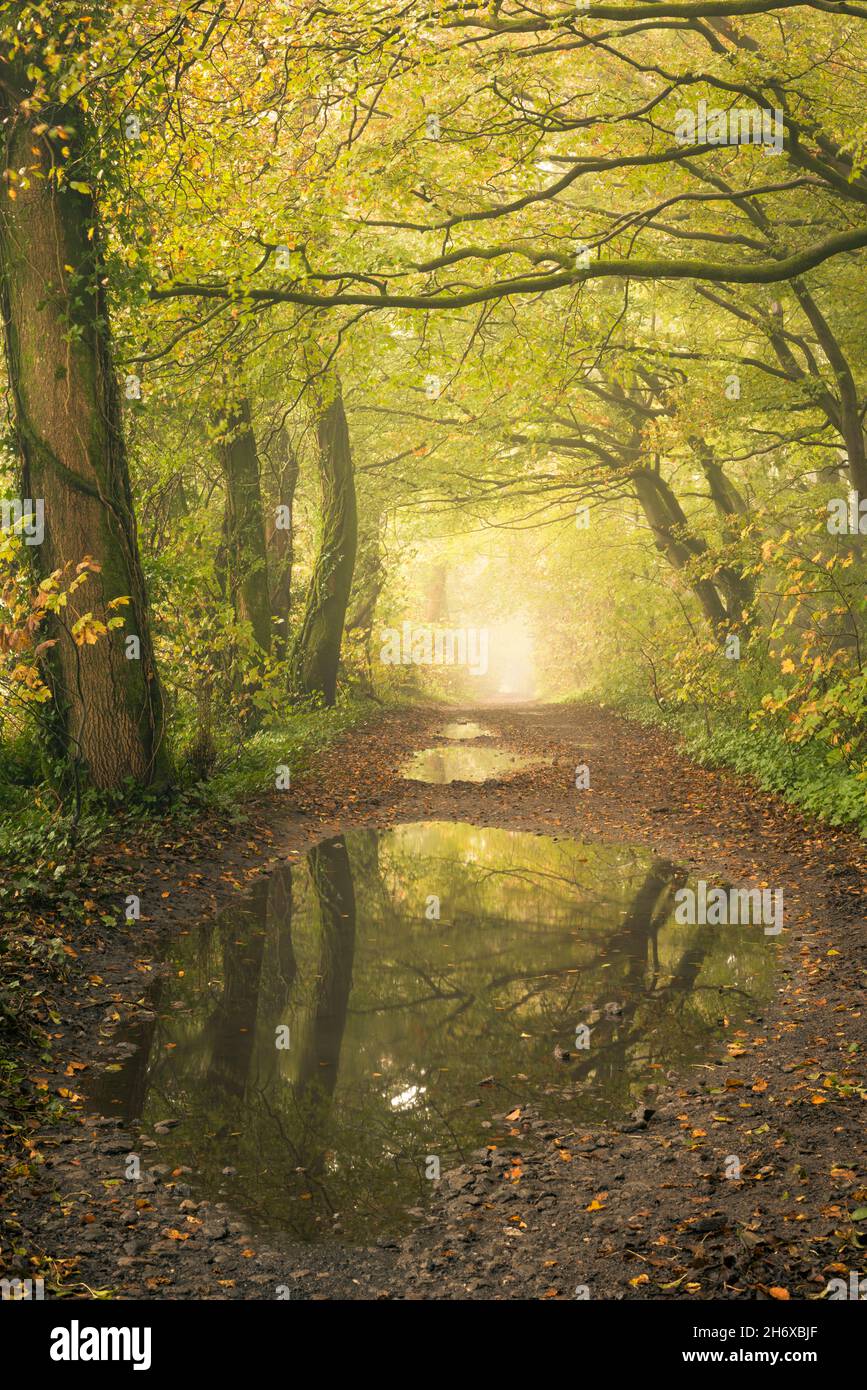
(459, 764)
(420, 979)
(464, 728)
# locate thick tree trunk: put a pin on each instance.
(724, 495)
(281, 547)
(739, 591)
(317, 650)
(669, 526)
(850, 421)
(369, 575)
(367, 585)
(107, 708)
(246, 565)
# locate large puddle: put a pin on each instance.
(375, 1005)
(460, 764)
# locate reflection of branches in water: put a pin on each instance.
(312, 1176)
(330, 1191)
(410, 968)
(491, 922)
(491, 951)
(724, 989)
(345, 1186)
(499, 982)
(342, 1188)
(532, 878)
(401, 1004)
(469, 998)
(626, 862)
(650, 907)
(430, 1104)
(539, 991)
(678, 987)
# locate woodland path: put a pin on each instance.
(600, 1209)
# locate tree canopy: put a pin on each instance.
(321, 318)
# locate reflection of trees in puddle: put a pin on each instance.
(395, 1018)
(317, 1051)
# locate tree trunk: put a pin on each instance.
(739, 590)
(317, 651)
(436, 610)
(370, 573)
(669, 525)
(246, 565)
(850, 424)
(281, 547)
(370, 576)
(107, 714)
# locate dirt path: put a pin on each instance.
(643, 1210)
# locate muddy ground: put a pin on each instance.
(638, 1210)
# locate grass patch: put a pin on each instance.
(802, 774)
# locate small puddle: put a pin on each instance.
(377, 1003)
(464, 728)
(440, 765)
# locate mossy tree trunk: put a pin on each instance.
(670, 529)
(246, 564)
(317, 649)
(281, 544)
(107, 712)
(739, 590)
(367, 584)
